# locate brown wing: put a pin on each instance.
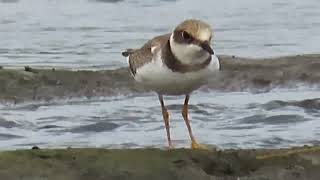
(139, 57)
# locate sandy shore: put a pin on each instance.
(237, 74)
(101, 164)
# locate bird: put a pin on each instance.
(175, 64)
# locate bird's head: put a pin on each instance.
(190, 41)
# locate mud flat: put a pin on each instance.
(237, 74)
(102, 164)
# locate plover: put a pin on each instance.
(175, 64)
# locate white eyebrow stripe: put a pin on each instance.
(205, 35)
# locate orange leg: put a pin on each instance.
(165, 115)
(194, 144)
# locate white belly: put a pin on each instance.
(158, 77)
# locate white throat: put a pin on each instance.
(188, 53)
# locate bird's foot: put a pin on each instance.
(170, 147)
(195, 145)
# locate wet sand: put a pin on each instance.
(101, 164)
(237, 74)
(264, 74)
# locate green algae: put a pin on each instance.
(105, 164)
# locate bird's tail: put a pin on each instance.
(127, 52)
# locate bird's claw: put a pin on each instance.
(195, 145)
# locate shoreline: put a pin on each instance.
(237, 74)
(102, 164)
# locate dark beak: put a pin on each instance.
(206, 46)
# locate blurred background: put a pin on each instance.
(91, 33)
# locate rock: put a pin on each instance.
(35, 148)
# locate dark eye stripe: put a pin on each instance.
(183, 37)
(186, 35)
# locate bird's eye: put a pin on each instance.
(186, 35)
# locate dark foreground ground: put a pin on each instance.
(237, 74)
(154, 164)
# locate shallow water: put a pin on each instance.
(92, 33)
(279, 118)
